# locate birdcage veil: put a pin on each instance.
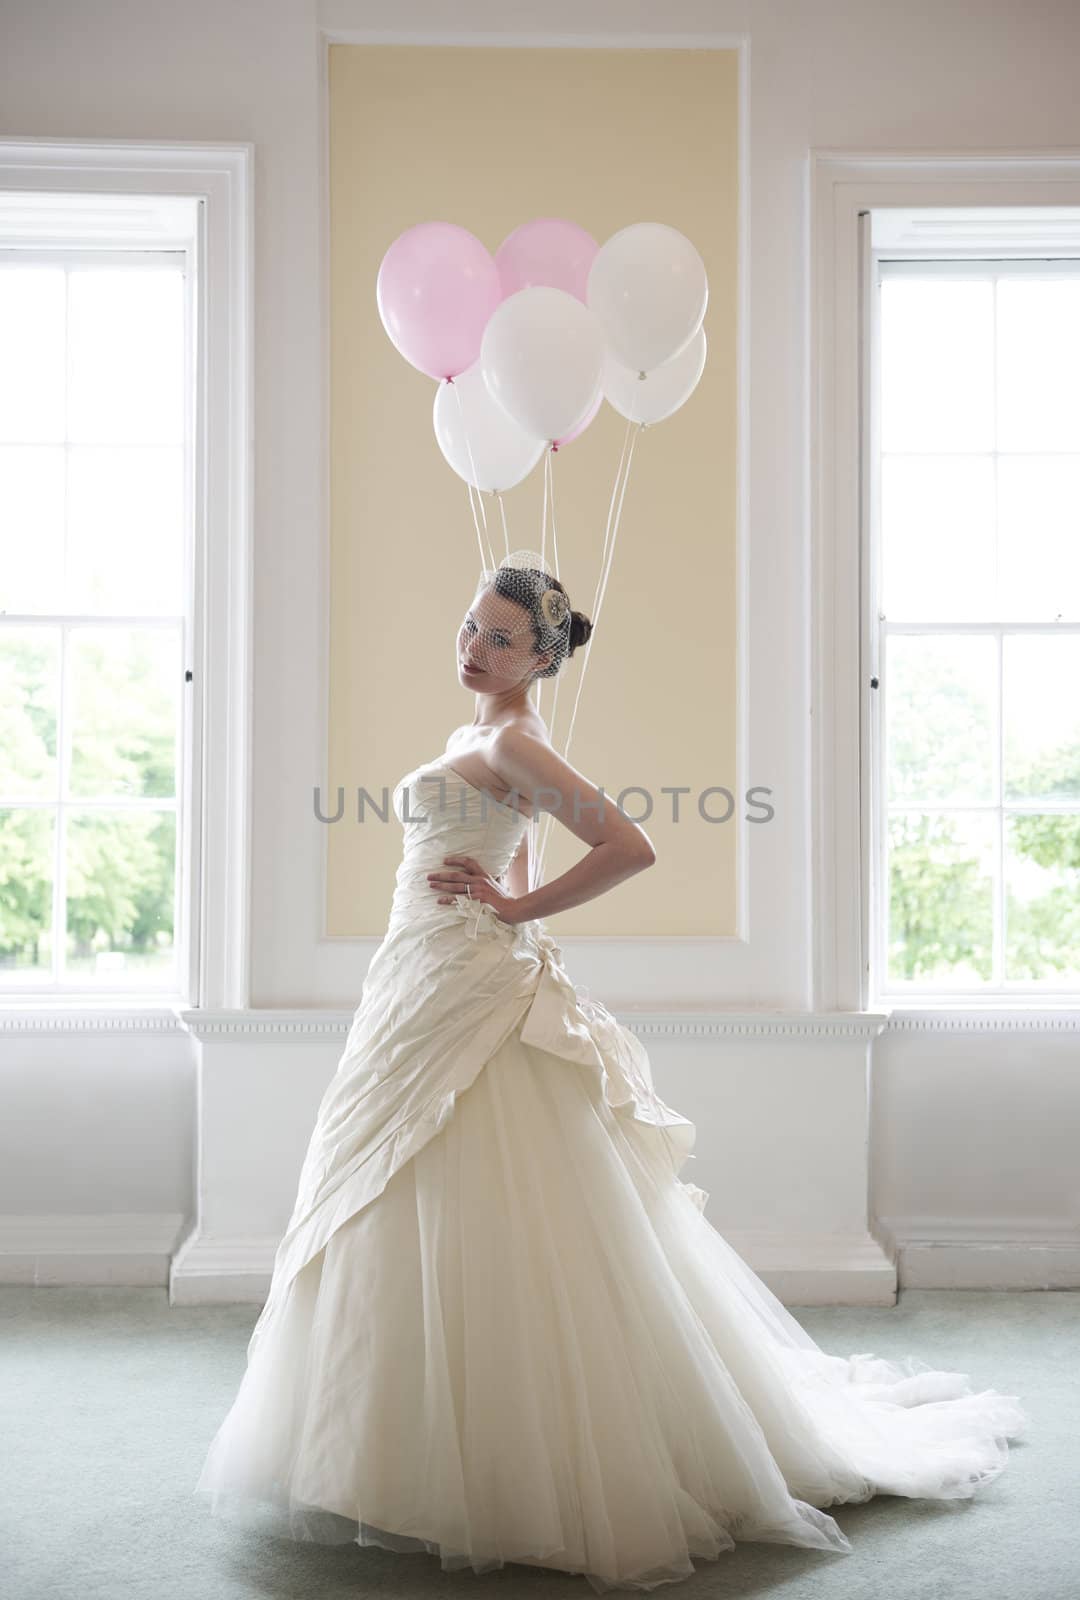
(521, 625)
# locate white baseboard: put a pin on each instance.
(211, 1272)
(819, 1269)
(1017, 1253)
(107, 1250)
(140, 1249)
(800, 1270)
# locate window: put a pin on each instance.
(96, 618)
(974, 633)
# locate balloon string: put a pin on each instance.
(505, 528)
(541, 850)
(618, 495)
(544, 508)
(538, 700)
(534, 852)
(474, 487)
(550, 467)
(554, 530)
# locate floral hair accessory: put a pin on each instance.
(555, 607)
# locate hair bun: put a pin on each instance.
(580, 629)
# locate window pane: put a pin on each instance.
(123, 709)
(1042, 915)
(31, 526)
(1039, 531)
(121, 869)
(1038, 329)
(26, 894)
(29, 687)
(941, 915)
(1041, 708)
(937, 528)
(126, 356)
(125, 529)
(937, 365)
(939, 718)
(32, 339)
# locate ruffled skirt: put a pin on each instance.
(533, 1347)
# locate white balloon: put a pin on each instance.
(662, 391)
(649, 289)
(542, 357)
(467, 419)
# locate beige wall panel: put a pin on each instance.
(489, 138)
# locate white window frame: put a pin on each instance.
(844, 189)
(215, 869)
(881, 628)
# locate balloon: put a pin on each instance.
(662, 391)
(501, 453)
(579, 429)
(542, 357)
(437, 287)
(648, 288)
(547, 252)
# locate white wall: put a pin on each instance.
(841, 74)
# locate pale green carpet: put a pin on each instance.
(110, 1399)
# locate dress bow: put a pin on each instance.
(480, 915)
(482, 919)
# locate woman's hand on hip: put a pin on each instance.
(463, 875)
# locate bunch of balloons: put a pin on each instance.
(528, 342)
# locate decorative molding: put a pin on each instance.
(984, 1020)
(678, 1023)
(302, 1025)
(57, 1019)
(279, 1027)
(687, 1024)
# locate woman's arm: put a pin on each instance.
(619, 848)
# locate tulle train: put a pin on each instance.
(533, 1347)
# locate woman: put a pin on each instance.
(500, 1327)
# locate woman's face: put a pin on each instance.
(496, 645)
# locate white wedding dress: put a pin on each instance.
(500, 1327)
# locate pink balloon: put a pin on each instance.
(437, 287)
(579, 427)
(547, 253)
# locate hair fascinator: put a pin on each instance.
(555, 607)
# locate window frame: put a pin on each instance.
(845, 187)
(214, 862)
(883, 990)
(188, 747)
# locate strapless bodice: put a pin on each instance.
(443, 815)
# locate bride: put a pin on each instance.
(500, 1327)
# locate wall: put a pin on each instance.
(841, 74)
(488, 139)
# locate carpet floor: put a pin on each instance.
(110, 1398)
